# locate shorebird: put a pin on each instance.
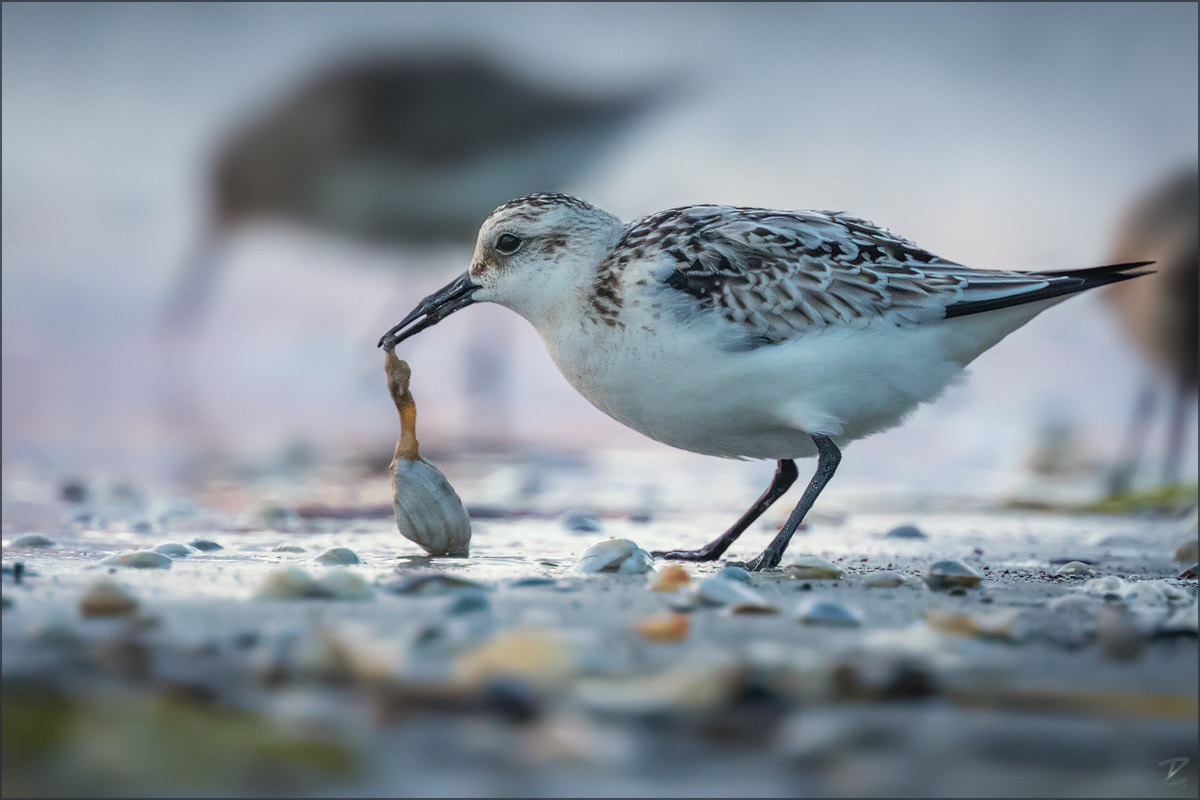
(744, 332)
(397, 148)
(1159, 314)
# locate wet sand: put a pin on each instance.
(510, 672)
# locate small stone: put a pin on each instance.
(287, 548)
(1186, 551)
(667, 627)
(812, 568)
(943, 575)
(426, 584)
(529, 583)
(541, 658)
(672, 577)
(205, 546)
(290, 583)
(718, 591)
(342, 584)
(1181, 622)
(579, 521)
(734, 573)
(906, 532)
(141, 559)
(997, 625)
(173, 550)
(1075, 569)
(826, 612)
(106, 599)
(338, 555)
(1118, 633)
(883, 579)
(468, 603)
(32, 541)
(611, 555)
(751, 610)
(1109, 584)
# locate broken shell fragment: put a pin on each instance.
(668, 627)
(718, 591)
(428, 511)
(1075, 569)
(106, 599)
(826, 612)
(951, 575)
(811, 568)
(883, 579)
(141, 559)
(338, 555)
(671, 578)
(615, 555)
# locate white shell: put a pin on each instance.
(615, 555)
(717, 591)
(428, 511)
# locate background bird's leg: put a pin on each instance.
(1175, 433)
(785, 476)
(1121, 479)
(828, 458)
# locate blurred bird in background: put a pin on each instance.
(394, 149)
(1159, 315)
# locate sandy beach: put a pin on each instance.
(255, 668)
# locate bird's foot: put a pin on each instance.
(703, 554)
(766, 560)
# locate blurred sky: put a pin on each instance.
(998, 135)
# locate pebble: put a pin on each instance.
(581, 522)
(1075, 569)
(427, 584)
(996, 625)
(541, 658)
(827, 612)
(951, 574)
(468, 603)
(204, 545)
(290, 583)
(734, 573)
(719, 591)
(106, 599)
(615, 555)
(883, 579)
(672, 577)
(1118, 633)
(142, 559)
(529, 583)
(666, 627)
(906, 532)
(343, 584)
(338, 555)
(812, 568)
(1181, 622)
(1186, 551)
(287, 548)
(32, 541)
(174, 550)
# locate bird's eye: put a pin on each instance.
(507, 244)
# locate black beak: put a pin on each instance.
(433, 309)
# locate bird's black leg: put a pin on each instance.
(1121, 479)
(785, 476)
(828, 457)
(1173, 454)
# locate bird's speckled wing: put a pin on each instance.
(778, 274)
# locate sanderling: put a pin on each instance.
(1159, 314)
(744, 332)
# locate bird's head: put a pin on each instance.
(533, 255)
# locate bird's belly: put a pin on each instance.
(765, 403)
